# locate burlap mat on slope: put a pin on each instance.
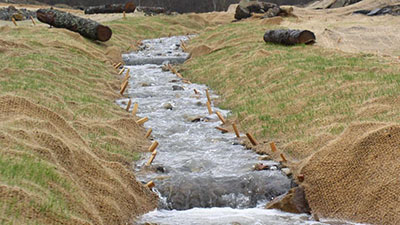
(357, 176)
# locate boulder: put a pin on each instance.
(246, 8)
(293, 202)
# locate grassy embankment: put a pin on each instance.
(301, 96)
(65, 148)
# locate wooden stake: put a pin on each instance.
(283, 158)
(125, 84)
(221, 117)
(153, 146)
(236, 130)
(135, 108)
(273, 146)
(150, 184)
(127, 75)
(171, 69)
(118, 65)
(183, 45)
(129, 105)
(148, 133)
(208, 95)
(196, 91)
(252, 139)
(222, 129)
(33, 21)
(152, 157)
(121, 71)
(209, 108)
(13, 20)
(142, 121)
(300, 177)
(124, 15)
(179, 75)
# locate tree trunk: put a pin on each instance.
(85, 27)
(289, 37)
(113, 8)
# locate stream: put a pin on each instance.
(201, 175)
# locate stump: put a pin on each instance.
(289, 37)
(85, 27)
(112, 8)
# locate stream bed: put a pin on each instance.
(202, 175)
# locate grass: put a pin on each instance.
(33, 176)
(293, 93)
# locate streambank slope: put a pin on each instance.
(317, 104)
(66, 148)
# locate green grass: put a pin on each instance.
(35, 176)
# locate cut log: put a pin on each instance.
(289, 37)
(112, 8)
(85, 27)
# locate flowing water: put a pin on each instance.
(202, 175)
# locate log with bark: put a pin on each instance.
(85, 27)
(112, 8)
(289, 37)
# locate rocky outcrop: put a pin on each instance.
(294, 202)
(17, 14)
(393, 10)
(170, 5)
(246, 8)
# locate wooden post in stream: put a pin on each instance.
(124, 15)
(121, 71)
(252, 139)
(148, 133)
(236, 130)
(208, 96)
(179, 75)
(124, 85)
(150, 184)
(221, 117)
(283, 158)
(135, 108)
(129, 105)
(153, 146)
(209, 108)
(127, 75)
(142, 121)
(152, 157)
(118, 65)
(222, 129)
